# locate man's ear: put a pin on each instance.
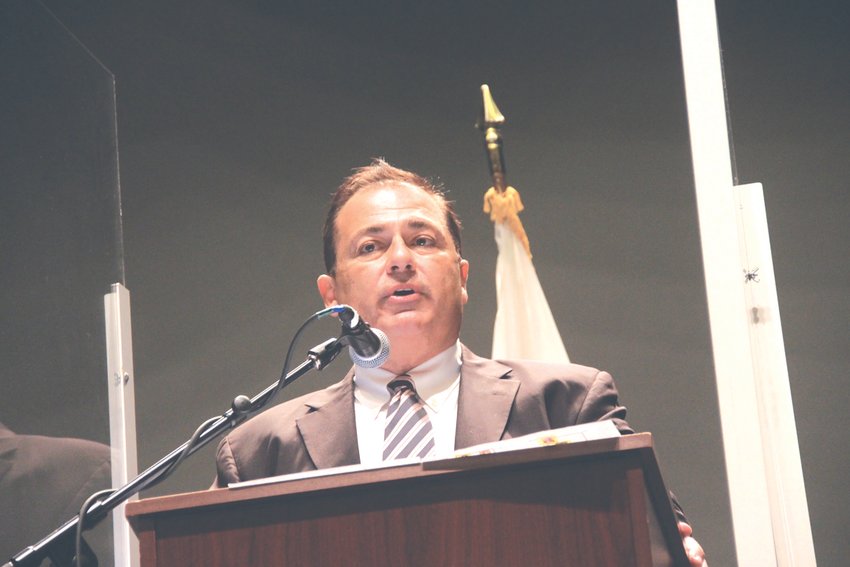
(464, 276)
(327, 289)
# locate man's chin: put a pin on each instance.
(407, 324)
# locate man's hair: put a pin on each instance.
(379, 172)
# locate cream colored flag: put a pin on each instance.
(525, 327)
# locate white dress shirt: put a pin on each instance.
(437, 381)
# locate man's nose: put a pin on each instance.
(400, 257)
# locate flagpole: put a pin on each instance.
(524, 326)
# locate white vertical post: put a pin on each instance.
(759, 436)
(122, 414)
(789, 509)
(727, 307)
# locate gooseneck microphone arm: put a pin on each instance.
(59, 546)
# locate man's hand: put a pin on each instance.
(693, 549)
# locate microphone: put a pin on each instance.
(367, 347)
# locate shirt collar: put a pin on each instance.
(434, 379)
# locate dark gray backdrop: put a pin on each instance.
(237, 119)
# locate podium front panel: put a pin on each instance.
(583, 512)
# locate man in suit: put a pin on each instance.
(43, 483)
(393, 252)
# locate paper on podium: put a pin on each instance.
(325, 472)
(572, 434)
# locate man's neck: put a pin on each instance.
(408, 354)
(431, 377)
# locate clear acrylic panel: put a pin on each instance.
(60, 233)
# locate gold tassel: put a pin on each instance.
(504, 207)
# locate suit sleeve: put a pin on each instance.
(601, 403)
(225, 463)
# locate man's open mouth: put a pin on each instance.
(402, 292)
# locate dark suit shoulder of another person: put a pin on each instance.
(43, 483)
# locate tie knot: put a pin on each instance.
(400, 384)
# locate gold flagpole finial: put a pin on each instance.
(492, 116)
(490, 122)
(501, 202)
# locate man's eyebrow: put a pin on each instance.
(371, 229)
(421, 223)
(376, 229)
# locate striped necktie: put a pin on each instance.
(408, 431)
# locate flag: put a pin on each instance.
(524, 327)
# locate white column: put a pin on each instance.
(727, 306)
(122, 415)
(769, 514)
(789, 510)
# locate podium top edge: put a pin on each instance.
(638, 442)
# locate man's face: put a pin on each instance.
(397, 265)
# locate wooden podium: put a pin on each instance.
(596, 503)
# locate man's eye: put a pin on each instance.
(423, 241)
(368, 248)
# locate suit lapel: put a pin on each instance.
(485, 400)
(329, 431)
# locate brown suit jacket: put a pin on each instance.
(43, 483)
(497, 400)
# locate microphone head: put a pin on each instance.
(378, 358)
